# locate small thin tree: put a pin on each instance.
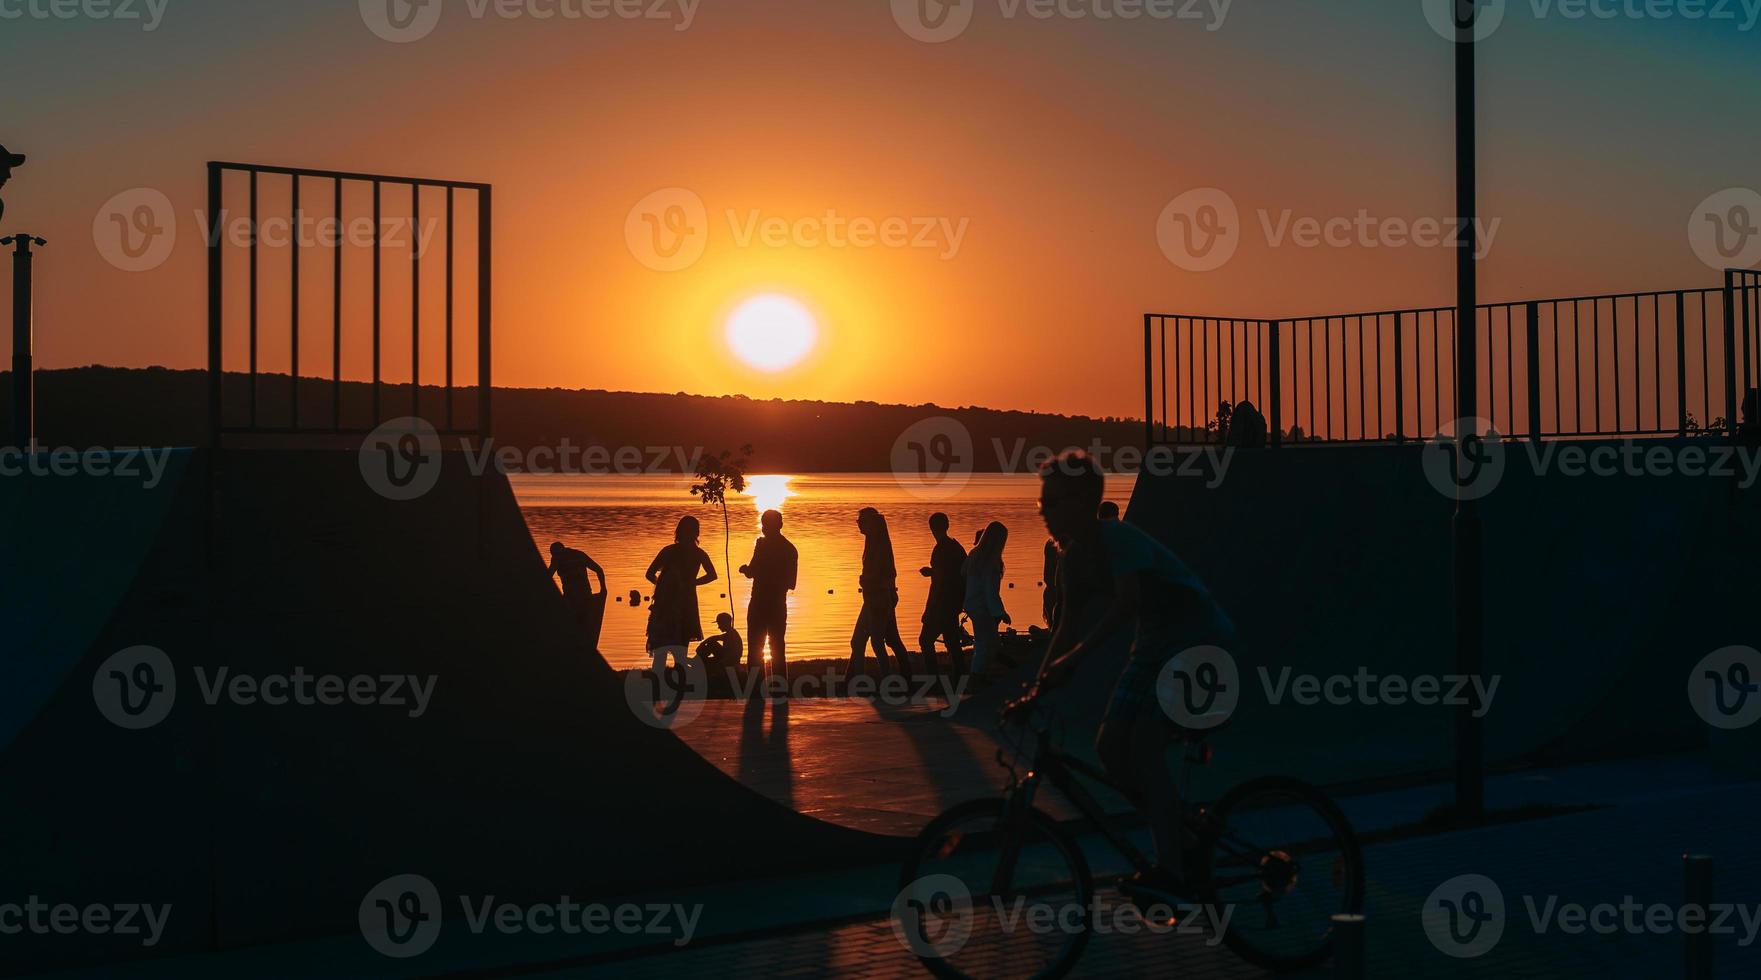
(716, 475)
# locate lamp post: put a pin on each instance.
(1470, 799)
(23, 371)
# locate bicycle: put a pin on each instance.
(987, 859)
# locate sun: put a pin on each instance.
(772, 332)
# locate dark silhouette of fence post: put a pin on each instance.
(485, 245)
(1149, 386)
(1681, 362)
(1399, 380)
(214, 304)
(1697, 888)
(24, 380)
(1534, 340)
(1276, 396)
(1730, 354)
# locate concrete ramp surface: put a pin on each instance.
(520, 773)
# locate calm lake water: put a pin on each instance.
(623, 521)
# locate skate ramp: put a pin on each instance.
(527, 777)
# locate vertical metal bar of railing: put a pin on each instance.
(1170, 424)
(377, 416)
(1533, 335)
(336, 312)
(1276, 396)
(449, 307)
(1327, 368)
(415, 301)
(1657, 361)
(1362, 413)
(215, 292)
(486, 393)
(1730, 350)
(1681, 364)
(1149, 385)
(294, 313)
(1747, 294)
(253, 294)
(1400, 378)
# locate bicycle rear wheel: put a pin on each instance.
(977, 901)
(1280, 859)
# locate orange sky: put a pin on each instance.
(1053, 144)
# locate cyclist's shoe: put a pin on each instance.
(1158, 887)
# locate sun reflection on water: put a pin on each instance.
(768, 493)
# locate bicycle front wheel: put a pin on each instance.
(1280, 860)
(984, 893)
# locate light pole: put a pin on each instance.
(1470, 797)
(23, 370)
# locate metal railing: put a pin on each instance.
(1662, 363)
(296, 185)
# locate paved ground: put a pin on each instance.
(888, 770)
(1630, 852)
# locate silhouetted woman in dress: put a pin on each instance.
(676, 573)
(878, 622)
(984, 594)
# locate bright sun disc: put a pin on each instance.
(771, 332)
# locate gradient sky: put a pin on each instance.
(1058, 142)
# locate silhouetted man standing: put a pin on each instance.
(947, 593)
(772, 571)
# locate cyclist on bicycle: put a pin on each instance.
(1112, 576)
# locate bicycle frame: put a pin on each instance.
(1048, 764)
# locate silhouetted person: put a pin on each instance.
(947, 592)
(570, 568)
(1247, 428)
(1119, 585)
(8, 160)
(984, 594)
(1109, 511)
(676, 573)
(878, 623)
(721, 652)
(773, 569)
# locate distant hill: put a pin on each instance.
(101, 406)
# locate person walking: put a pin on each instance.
(947, 593)
(878, 623)
(984, 594)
